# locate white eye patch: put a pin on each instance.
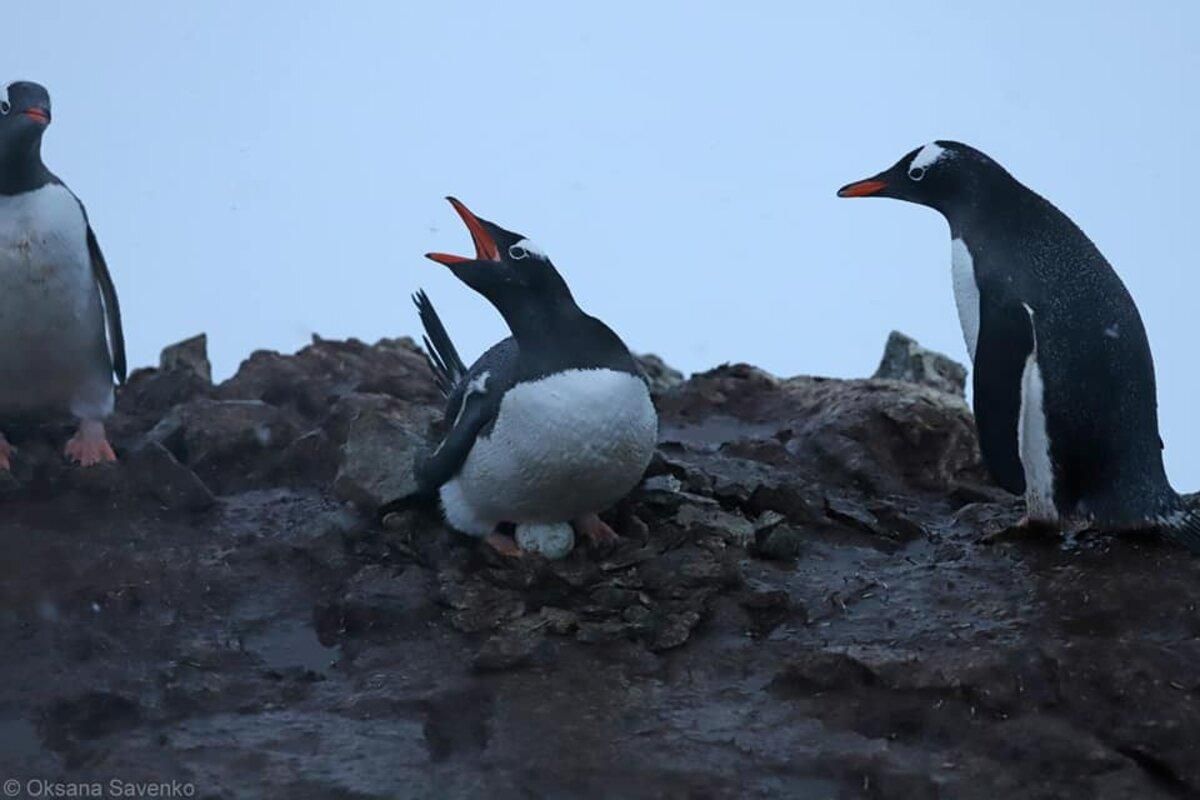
(525, 249)
(5, 105)
(925, 158)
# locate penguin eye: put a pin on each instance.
(916, 173)
(524, 249)
(5, 107)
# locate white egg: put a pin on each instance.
(553, 540)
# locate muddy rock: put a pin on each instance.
(228, 443)
(818, 593)
(156, 471)
(315, 378)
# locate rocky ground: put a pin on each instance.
(819, 595)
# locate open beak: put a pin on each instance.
(862, 188)
(485, 246)
(39, 114)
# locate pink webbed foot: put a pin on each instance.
(89, 446)
(504, 545)
(597, 531)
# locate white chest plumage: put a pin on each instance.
(966, 293)
(1033, 439)
(51, 317)
(565, 445)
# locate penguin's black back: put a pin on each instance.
(1100, 397)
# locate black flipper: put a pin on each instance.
(448, 368)
(1005, 342)
(479, 406)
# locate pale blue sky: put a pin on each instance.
(262, 171)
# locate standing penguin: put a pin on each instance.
(1064, 386)
(59, 318)
(549, 426)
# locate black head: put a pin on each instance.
(508, 269)
(947, 176)
(24, 115)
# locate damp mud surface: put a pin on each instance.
(818, 595)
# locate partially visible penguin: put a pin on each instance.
(59, 320)
(1064, 387)
(549, 426)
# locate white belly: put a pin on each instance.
(1034, 442)
(563, 446)
(55, 354)
(966, 293)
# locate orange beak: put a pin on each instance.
(862, 188)
(38, 114)
(485, 246)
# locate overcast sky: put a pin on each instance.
(263, 171)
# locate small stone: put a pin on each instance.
(660, 376)
(822, 671)
(156, 471)
(733, 528)
(508, 650)
(905, 360)
(559, 621)
(380, 453)
(675, 630)
(598, 632)
(190, 355)
(780, 544)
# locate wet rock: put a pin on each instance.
(733, 528)
(150, 393)
(905, 360)
(512, 647)
(673, 630)
(883, 437)
(189, 355)
(821, 670)
(780, 543)
(661, 376)
(155, 470)
(91, 715)
(477, 607)
(601, 632)
(905, 651)
(228, 443)
(380, 453)
(381, 598)
(768, 608)
(310, 459)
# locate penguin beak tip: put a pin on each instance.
(862, 188)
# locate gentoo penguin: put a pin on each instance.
(59, 318)
(549, 426)
(1064, 388)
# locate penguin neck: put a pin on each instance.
(21, 167)
(994, 202)
(539, 325)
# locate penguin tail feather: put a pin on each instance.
(443, 359)
(1185, 529)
